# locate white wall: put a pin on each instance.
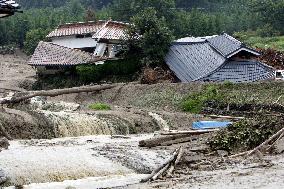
(73, 42)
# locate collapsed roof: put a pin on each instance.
(195, 59)
(8, 8)
(49, 54)
(100, 30)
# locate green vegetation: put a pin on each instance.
(120, 68)
(99, 106)
(161, 19)
(246, 134)
(252, 39)
(195, 102)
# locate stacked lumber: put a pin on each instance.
(272, 58)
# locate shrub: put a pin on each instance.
(95, 73)
(246, 134)
(99, 106)
(196, 101)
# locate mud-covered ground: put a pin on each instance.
(84, 162)
(15, 74)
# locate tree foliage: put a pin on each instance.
(150, 34)
(179, 17)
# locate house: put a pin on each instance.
(80, 43)
(216, 58)
(8, 8)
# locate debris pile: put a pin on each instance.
(157, 75)
(247, 134)
(6, 50)
(273, 58)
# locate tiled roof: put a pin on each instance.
(237, 71)
(192, 59)
(112, 31)
(225, 44)
(8, 7)
(48, 54)
(8, 4)
(100, 30)
(76, 29)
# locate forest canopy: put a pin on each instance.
(181, 18)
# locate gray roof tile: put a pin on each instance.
(225, 44)
(193, 61)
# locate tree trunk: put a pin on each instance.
(55, 92)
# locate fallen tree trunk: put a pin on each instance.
(55, 92)
(258, 148)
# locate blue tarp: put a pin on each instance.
(210, 124)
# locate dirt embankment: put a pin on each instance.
(16, 74)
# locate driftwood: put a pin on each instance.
(167, 166)
(258, 149)
(192, 132)
(225, 117)
(55, 92)
(170, 138)
(176, 141)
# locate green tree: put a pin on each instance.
(151, 36)
(33, 37)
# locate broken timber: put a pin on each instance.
(274, 137)
(55, 92)
(168, 167)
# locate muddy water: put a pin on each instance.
(57, 160)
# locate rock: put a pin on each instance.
(4, 143)
(3, 177)
(279, 147)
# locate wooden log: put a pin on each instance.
(157, 171)
(56, 92)
(274, 143)
(273, 137)
(176, 141)
(192, 132)
(172, 168)
(258, 148)
(225, 117)
(159, 140)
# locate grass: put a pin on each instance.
(196, 101)
(99, 106)
(255, 41)
(267, 42)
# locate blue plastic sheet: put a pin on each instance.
(202, 125)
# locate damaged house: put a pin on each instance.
(216, 58)
(8, 8)
(79, 43)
